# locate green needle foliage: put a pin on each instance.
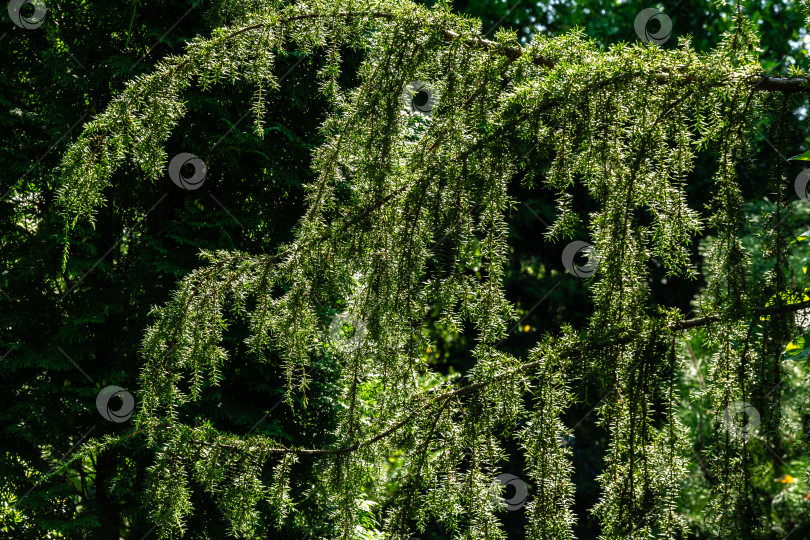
(406, 215)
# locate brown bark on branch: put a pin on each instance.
(758, 82)
(443, 398)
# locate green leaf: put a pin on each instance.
(801, 157)
(804, 236)
(799, 349)
(794, 347)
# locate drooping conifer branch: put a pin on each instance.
(761, 82)
(445, 397)
(406, 225)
